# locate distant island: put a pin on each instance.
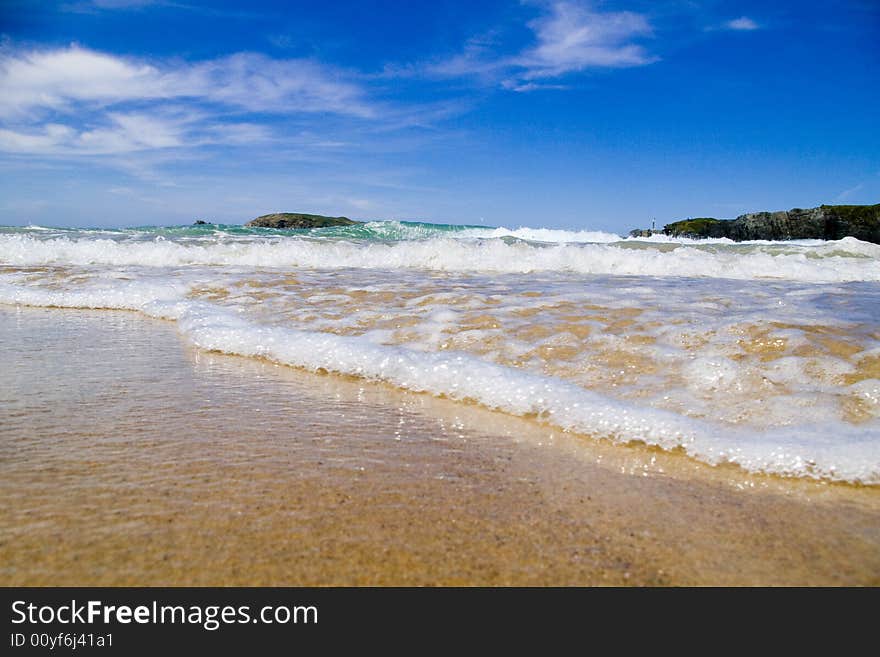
(298, 220)
(827, 222)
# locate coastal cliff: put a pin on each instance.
(298, 220)
(827, 222)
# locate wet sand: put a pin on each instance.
(129, 458)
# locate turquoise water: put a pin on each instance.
(376, 230)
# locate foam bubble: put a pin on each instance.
(716, 374)
(868, 391)
(545, 235)
(826, 451)
(846, 260)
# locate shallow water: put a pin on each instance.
(766, 355)
(127, 457)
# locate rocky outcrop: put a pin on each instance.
(827, 222)
(298, 220)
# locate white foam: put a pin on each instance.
(716, 374)
(845, 260)
(832, 451)
(549, 235)
(162, 299)
(868, 391)
(560, 236)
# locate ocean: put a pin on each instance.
(765, 355)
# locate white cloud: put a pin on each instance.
(475, 59)
(238, 133)
(574, 37)
(74, 100)
(123, 133)
(54, 79)
(129, 132)
(120, 133)
(743, 23)
(570, 37)
(122, 4)
(59, 79)
(42, 141)
(97, 6)
(93, 6)
(258, 83)
(360, 203)
(522, 87)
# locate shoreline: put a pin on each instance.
(171, 466)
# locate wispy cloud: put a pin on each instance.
(97, 6)
(61, 79)
(847, 193)
(258, 83)
(574, 37)
(522, 87)
(123, 4)
(476, 58)
(54, 79)
(743, 24)
(94, 5)
(569, 37)
(74, 100)
(120, 132)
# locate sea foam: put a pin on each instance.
(762, 354)
(840, 261)
(831, 451)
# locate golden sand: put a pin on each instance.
(127, 458)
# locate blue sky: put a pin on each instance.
(567, 113)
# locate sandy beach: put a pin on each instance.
(537, 293)
(127, 457)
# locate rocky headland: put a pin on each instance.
(298, 220)
(827, 222)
